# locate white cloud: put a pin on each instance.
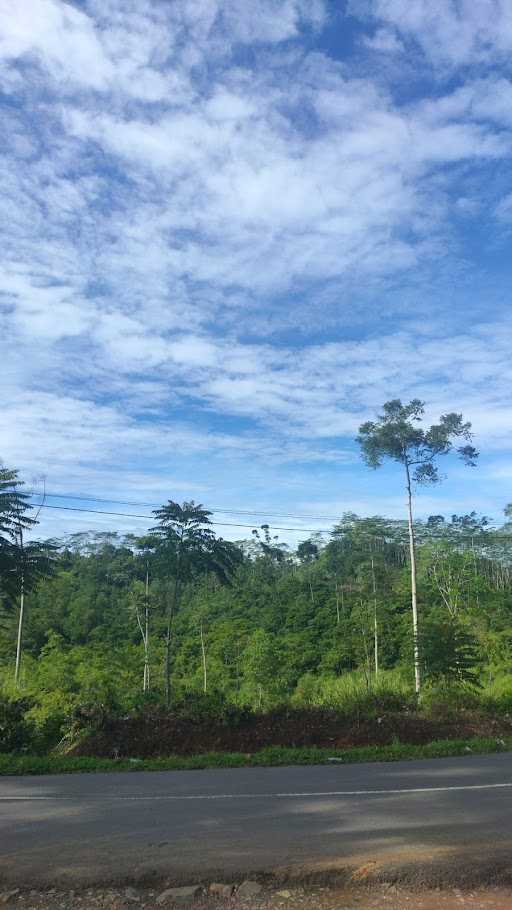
(58, 34)
(126, 47)
(451, 32)
(261, 204)
(170, 204)
(44, 311)
(503, 210)
(250, 21)
(385, 40)
(220, 194)
(75, 49)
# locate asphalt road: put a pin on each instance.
(194, 825)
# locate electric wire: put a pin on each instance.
(222, 524)
(228, 524)
(150, 505)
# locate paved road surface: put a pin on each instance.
(190, 825)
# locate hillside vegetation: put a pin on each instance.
(324, 627)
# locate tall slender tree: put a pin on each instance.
(395, 435)
(140, 606)
(141, 600)
(15, 518)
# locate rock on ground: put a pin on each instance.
(184, 895)
(220, 890)
(249, 889)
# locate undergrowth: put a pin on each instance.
(273, 756)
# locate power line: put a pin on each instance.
(221, 524)
(149, 505)
(228, 524)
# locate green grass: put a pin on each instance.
(271, 757)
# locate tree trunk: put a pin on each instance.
(414, 596)
(168, 659)
(21, 618)
(146, 633)
(20, 634)
(173, 609)
(168, 664)
(375, 623)
(367, 667)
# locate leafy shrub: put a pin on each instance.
(17, 733)
(445, 701)
(355, 695)
(450, 653)
(200, 707)
(496, 697)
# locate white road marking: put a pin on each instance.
(219, 796)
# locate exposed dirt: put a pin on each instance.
(384, 896)
(158, 734)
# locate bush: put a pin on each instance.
(450, 653)
(200, 707)
(496, 697)
(445, 701)
(17, 732)
(354, 696)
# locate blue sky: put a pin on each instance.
(232, 229)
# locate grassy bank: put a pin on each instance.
(271, 757)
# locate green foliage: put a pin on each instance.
(20, 562)
(354, 695)
(63, 681)
(183, 538)
(187, 548)
(262, 687)
(496, 696)
(15, 506)
(307, 551)
(450, 652)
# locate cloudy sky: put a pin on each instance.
(232, 229)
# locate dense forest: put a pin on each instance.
(125, 622)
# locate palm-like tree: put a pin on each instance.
(21, 564)
(187, 544)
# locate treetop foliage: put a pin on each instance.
(395, 435)
(184, 534)
(15, 507)
(19, 559)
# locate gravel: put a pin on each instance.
(381, 897)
